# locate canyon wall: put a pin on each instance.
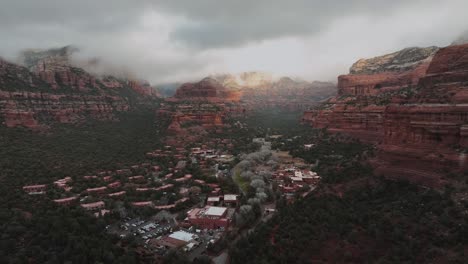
(413, 104)
(48, 88)
(198, 109)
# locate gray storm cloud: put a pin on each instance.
(173, 40)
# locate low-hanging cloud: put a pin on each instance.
(175, 40)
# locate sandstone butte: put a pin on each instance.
(197, 109)
(261, 91)
(206, 103)
(48, 88)
(413, 104)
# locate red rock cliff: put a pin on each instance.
(207, 89)
(259, 90)
(418, 116)
(50, 89)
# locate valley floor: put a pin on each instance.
(274, 191)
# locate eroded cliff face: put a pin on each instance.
(33, 109)
(208, 89)
(417, 115)
(260, 90)
(49, 88)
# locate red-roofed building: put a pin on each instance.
(165, 187)
(35, 189)
(136, 178)
(143, 204)
(62, 183)
(65, 201)
(199, 181)
(115, 184)
(93, 206)
(97, 190)
(216, 191)
(107, 178)
(170, 206)
(209, 217)
(185, 178)
(213, 185)
(123, 171)
(289, 189)
(116, 194)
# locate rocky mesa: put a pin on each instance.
(46, 87)
(413, 104)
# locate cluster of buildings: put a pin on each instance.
(165, 182)
(210, 217)
(293, 180)
(164, 174)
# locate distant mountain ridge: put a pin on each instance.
(256, 90)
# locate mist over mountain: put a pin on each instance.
(239, 132)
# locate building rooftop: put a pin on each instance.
(230, 197)
(215, 211)
(93, 205)
(34, 186)
(182, 235)
(68, 199)
(116, 194)
(296, 178)
(298, 173)
(213, 199)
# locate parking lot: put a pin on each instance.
(142, 230)
(145, 230)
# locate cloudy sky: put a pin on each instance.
(175, 40)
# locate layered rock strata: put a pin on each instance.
(417, 114)
(48, 88)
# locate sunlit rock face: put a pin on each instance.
(403, 60)
(417, 115)
(48, 88)
(197, 109)
(207, 89)
(260, 90)
(392, 71)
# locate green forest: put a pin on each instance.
(33, 228)
(356, 217)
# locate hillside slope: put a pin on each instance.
(48, 88)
